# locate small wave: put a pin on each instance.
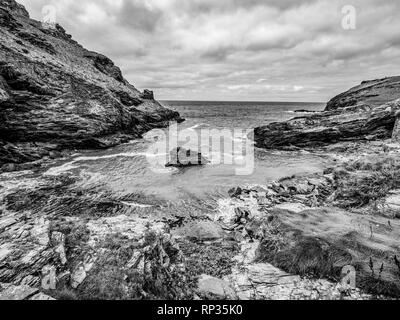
(164, 170)
(54, 171)
(199, 126)
(135, 204)
(217, 158)
(109, 156)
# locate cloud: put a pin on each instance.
(138, 15)
(234, 49)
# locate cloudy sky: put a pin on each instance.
(264, 50)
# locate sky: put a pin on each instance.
(247, 50)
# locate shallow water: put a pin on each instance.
(129, 169)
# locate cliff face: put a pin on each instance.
(54, 94)
(370, 93)
(366, 112)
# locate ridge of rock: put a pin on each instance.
(367, 112)
(56, 95)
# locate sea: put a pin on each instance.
(136, 170)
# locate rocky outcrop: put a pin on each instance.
(371, 93)
(56, 95)
(369, 111)
(253, 280)
(302, 229)
(349, 124)
(15, 7)
(211, 287)
(181, 158)
(9, 292)
(68, 253)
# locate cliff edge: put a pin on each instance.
(372, 93)
(56, 95)
(367, 112)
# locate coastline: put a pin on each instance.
(295, 238)
(85, 237)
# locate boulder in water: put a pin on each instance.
(180, 158)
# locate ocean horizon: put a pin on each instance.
(238, 114)
(242, 101)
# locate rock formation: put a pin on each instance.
(56, 95)
(319, 224)
(366, 112)
(180, 158)
(371, 93)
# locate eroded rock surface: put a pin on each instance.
(329, 127)
(311, 227)
(372, 93)
(254, 280)
(369, 112)
(22, 292)
(64, 242)
(56, 95)
(211, 287)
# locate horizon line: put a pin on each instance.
(259, 101)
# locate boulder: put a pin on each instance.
(390, 206)
(181, 157)
(147, 94)
(210, 287)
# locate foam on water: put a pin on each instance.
(199, 126)
(133, 169)
(54, 171)
(135, 204)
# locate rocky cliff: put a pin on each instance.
(369, 93)
(366, 112)
(56, 95)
